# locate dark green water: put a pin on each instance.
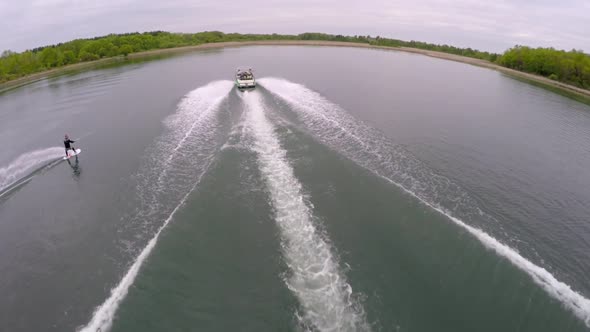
(353, 190)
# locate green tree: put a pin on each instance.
(87, 56)
(570, 67)
(69, 57)
(49, 57)
(125, 49)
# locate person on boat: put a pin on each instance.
(67, 144)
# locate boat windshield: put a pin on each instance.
(245, 75)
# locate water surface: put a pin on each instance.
(354, 189)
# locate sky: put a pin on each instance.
(489, 25)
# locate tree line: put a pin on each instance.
(571, 67)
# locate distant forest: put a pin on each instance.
(571, 67)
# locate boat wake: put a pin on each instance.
(21, 169)
(164, 186)
(315, 278)
(370, 149)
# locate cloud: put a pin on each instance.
(486, 25)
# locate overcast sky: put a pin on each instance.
(491, 25)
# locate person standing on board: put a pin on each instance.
(67, 144)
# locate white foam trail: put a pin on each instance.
(176, 158)
(315, 279)
(102, 318)
(27, 163)
(194, 110)
(193, 121)
(335, 128)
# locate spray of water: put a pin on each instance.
(315, 278)
(190, 138)
(27, 163)
(364, 145)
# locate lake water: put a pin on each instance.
(353, 190)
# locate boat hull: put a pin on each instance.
(245, 84)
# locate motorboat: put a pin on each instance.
(245, 79)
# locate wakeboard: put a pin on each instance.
(71, 154)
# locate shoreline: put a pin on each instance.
(543, 81)
(22, 81)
